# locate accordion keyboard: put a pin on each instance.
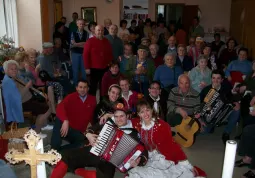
(103, 139)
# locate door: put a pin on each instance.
(45, 20)
(189, 12)
(58, 11)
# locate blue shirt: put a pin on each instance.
(244, 66)
(83, 98)
(167, 76)
(142, 78)
(123, 64)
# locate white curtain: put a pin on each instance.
(10, 10)
(2, 19)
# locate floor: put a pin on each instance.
(207, 153)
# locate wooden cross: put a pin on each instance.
(32, 156)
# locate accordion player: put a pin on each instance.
(88, 155)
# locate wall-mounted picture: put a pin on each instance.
(89, 14)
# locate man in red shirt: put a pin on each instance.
(74, 114)
(97, 55)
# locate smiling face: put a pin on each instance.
(207, 51)
(124, 85)
(120, 118)
(82, 88)
(169, 61)
(114, 94)
(154, 90)
(202, 63)
(145, 113)
(12, 70)
(181, 51)
(80, 24)
(184, 84)
(99, 31)
(113, 30)
(216, 80)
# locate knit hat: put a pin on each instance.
(47, 45)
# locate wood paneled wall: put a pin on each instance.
(244, 30)
(45, 20)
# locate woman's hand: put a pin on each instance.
(92, 138)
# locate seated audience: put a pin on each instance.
(81, 157)
(18, 98)
(228, 54)
(210, 57)
(115, 41)
(227, 97)
(247, 151)
(92, 27)
(183, 101)
(161, 29)
(143, 70)
(166, 157)
(217, 44)
(183, 60)
(111, 77)
(200, 76)
(158, 103)
(78, 40)
(74, 114)
(123, 29)
(241, 65)
(130, 97)
(167, 74)
(158, 60)
(172, 45)
(195, 51)
(105, 107)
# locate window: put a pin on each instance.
(8, 20)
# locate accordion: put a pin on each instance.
(117, 147)
(215, 110)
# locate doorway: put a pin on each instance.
(58, 11)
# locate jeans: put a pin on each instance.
(6, 171)
(233, 118)
(78, 65)
(75, 138)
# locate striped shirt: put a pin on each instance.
(190, 102)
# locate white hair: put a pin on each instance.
(170, 54)
(201, 57)
(6, 64)
(183, 76)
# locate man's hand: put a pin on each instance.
(135, 163)
(64, 128)
(237, 107)
(87, 71)
(29, 84)
(183, 113)
(92, 138)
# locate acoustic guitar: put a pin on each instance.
(185, 132)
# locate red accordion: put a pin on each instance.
(117, 147)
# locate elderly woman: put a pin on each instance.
(183, 60)
(200, 76)
(228, 54)
(158, 60)
(167, 74)
(166, 158)
(242, 65)
(17, 98)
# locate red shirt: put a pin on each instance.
(107, 80)
(77, 112)
(161, 140)
(97, 53)
(132, 100)
(158, 61)
(181, 37)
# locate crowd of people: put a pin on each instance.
(159, 76)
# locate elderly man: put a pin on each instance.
(116, 42)
(142, 70)
(183, 101)
(18, 98)
(78, 40)
(158, 60)
(172, 45)
(97, 55)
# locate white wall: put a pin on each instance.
(29, 23)
(129, 3)
(213, 11)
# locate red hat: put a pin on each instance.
(120, 107)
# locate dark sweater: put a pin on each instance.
(186, 64)
(78, 113)
(107, 80)
(162, 107)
